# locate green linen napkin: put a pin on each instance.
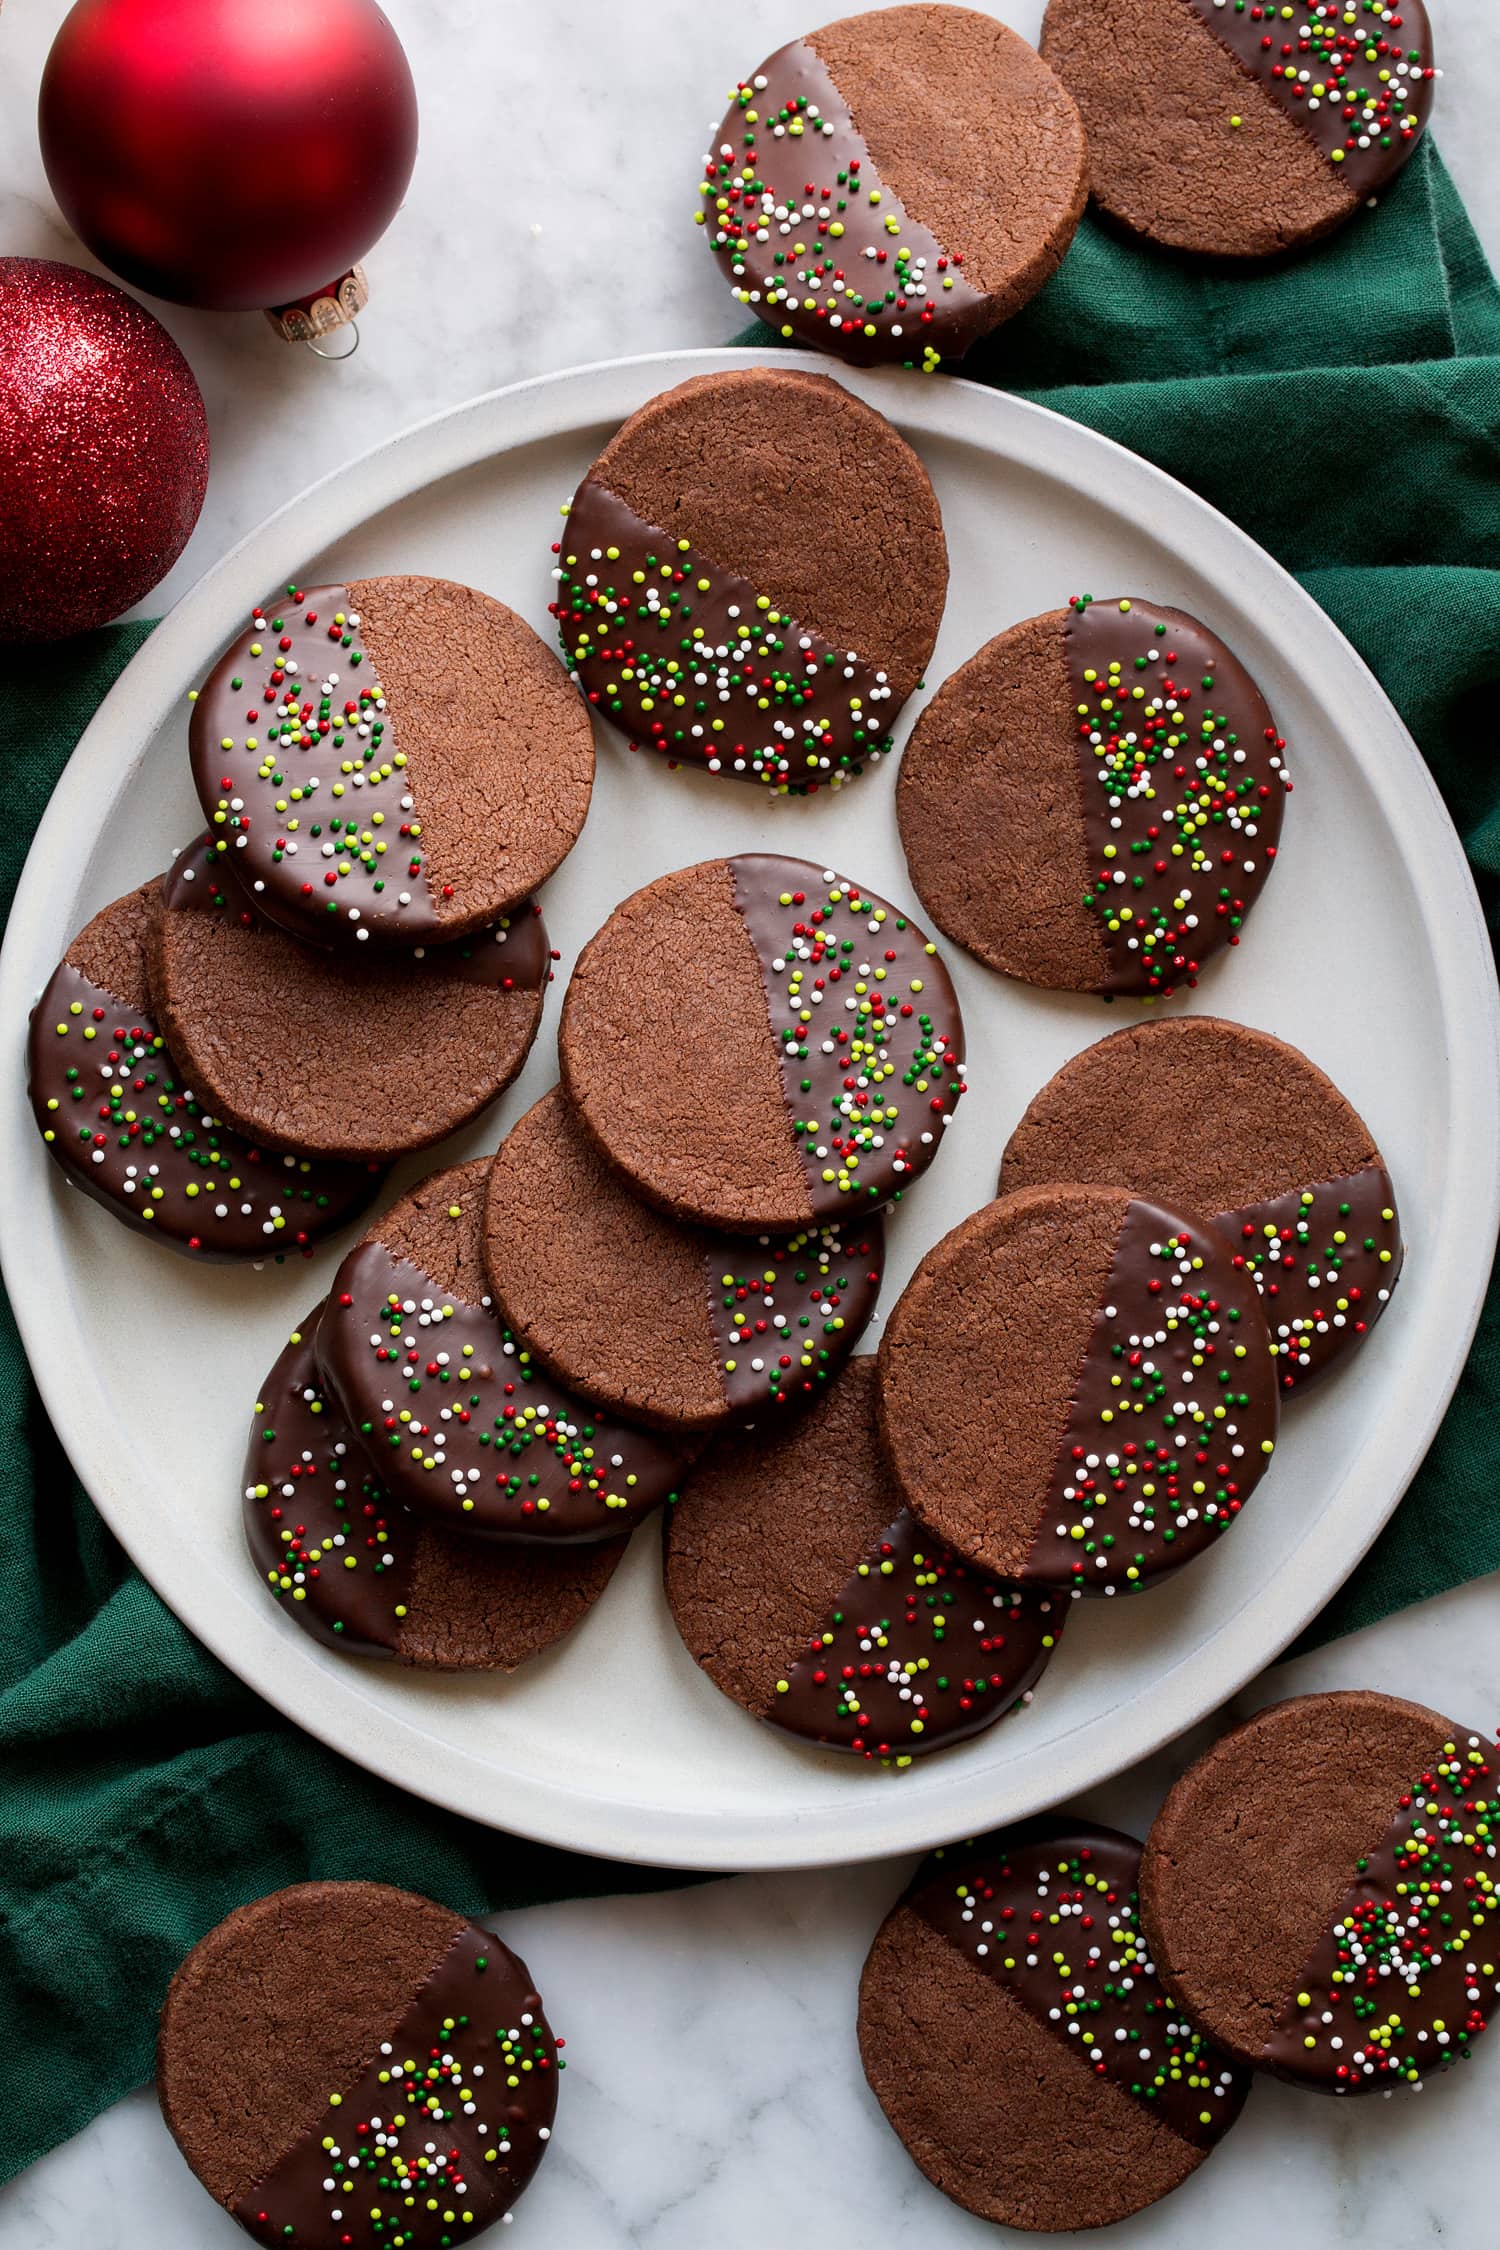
(1346, 408)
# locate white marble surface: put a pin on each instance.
(714, 2100)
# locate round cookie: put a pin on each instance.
(125, 1126)
(895, 185)
(1320, 1891)
(1094, 801)
(752, 577)
(344, 2062)
(761, 1045)
(1076, 1389)
(455, 1418)
(1211, 1117)
(1222, 128)
(398, 760)
(359, 1571)
(810, 1596)
(673, 1325)
(313, 1050)
(1014, 2031)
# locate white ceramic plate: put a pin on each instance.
(1367, 950)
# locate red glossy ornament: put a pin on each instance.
(103, 450)
(228, 153)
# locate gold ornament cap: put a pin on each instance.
(318, 315)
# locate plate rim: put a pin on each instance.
(406, 1752)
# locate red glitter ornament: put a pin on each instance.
(103, 450)
(229, 154)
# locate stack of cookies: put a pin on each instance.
(653, 1292)
(348, 963)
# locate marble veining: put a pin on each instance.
(713, 2098)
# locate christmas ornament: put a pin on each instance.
(231, 153)
(103, 450)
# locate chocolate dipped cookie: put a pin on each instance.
(1077, 1390)
(1094, 801)
(125, 1125)
(1014, 2030)
(1240, 130)
(393, 762)
(674, 1325)
(810, 1596)
(346, 2063)
(894, 186)
(751, 578)
(1215, 1118)
(308, 1049)
(357, 1570)
(456, 1418)
(1320, 1890)
(762, 1045)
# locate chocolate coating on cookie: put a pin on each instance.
(760, 1044)
(673, 1325)
(395, 761)
(352, 1056)
(124, 1125)
(1076, 1389)
(1320, 1889)
(895, 185)
(339, 2059)
(360, 1572)
(1212, 1117)
(1227, 130)
(1095, 800)
(808, 1594)
(751, 579)
(1014, 2031)
(457, 1420)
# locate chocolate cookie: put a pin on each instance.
(1239, 131)
(1320, 1890)
(760, 1044)
(456, 1419)
(125, 1126)
(1014, 2031)
(396, 760)
(346, 2063)
(752, 577)
(1094, 800)
(1211, 1117)
(1076, 1389)
(809, 1595)
(895, 185)
(314, 1050)
(673, 1325)
(361, 1572)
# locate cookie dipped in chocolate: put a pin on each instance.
(457, 1419)
(360, 1572)
(394, 762)
(894, 186)
(1013, 2027)
(338, 2057)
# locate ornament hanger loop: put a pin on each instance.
(319, 344)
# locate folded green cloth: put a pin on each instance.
(1346, 408)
